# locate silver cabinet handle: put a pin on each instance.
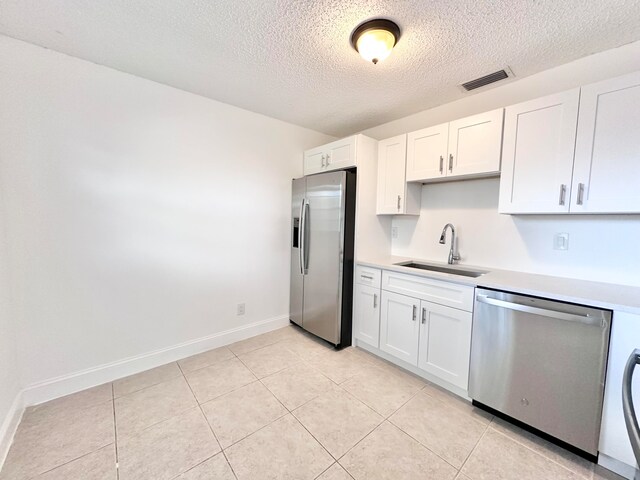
(563, 193)
(451, 162)
(543, 312)
(328, 159)
(580, 199)
(424, 316)
(375, 300)
(415, 311)
(367, 277)
(398, 202)
(630, 418)
(441, 164)
(322, 159)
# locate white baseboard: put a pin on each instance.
(10, 425)
(75, 382)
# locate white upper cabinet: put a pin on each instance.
(606, 174)
(475, 144)
(467, 147)
(332, 156)
(574, 152)
(394, 195)
(426, 153)
(537, 154)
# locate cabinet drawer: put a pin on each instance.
(436, 291)
(368, 276)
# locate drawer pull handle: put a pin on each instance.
(366, 276)
(415, 311)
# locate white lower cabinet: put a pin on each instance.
(445, 343)
(433, 337)
(367, 314)
(412, 318)
(399, 326)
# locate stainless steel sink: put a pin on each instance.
(442, 269)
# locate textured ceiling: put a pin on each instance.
(291, 59)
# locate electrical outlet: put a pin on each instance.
(561, 241)
(394, 232)
(240, 309)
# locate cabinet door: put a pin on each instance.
(427, 152)
(314, 161)
(367, 314)
(607, 162)
(537, 154)
(391, 170)
(341, 154)
(445, 343)
(475, 144)
(399, 326)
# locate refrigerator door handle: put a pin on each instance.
(301, 237)
(304, 255)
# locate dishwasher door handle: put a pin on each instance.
(544, 312)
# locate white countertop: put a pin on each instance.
(603, 295)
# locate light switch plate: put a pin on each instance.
(561, 241)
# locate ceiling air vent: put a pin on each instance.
(486, 80)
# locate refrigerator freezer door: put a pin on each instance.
(325, 219)
(296, 237)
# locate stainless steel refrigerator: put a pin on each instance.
(322, 238)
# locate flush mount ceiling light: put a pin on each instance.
(374, 39)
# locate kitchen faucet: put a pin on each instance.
(453, 257)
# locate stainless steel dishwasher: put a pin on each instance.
(542, 363)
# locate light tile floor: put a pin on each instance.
(282, 405)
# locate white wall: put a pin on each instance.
(9, 373)
(138, 215)
(601, 248)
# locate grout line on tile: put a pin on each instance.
(208, 365)
(224, 454)
(541, 454)
(294, 417)
(359, 442)
(473, 450)
(314, 437)
(215, 437)
(148, 386)
(326, 469)
(115, 431)
(425, 446)
(288, 412)
(252, 433)
(348, 473)
(68, 461)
